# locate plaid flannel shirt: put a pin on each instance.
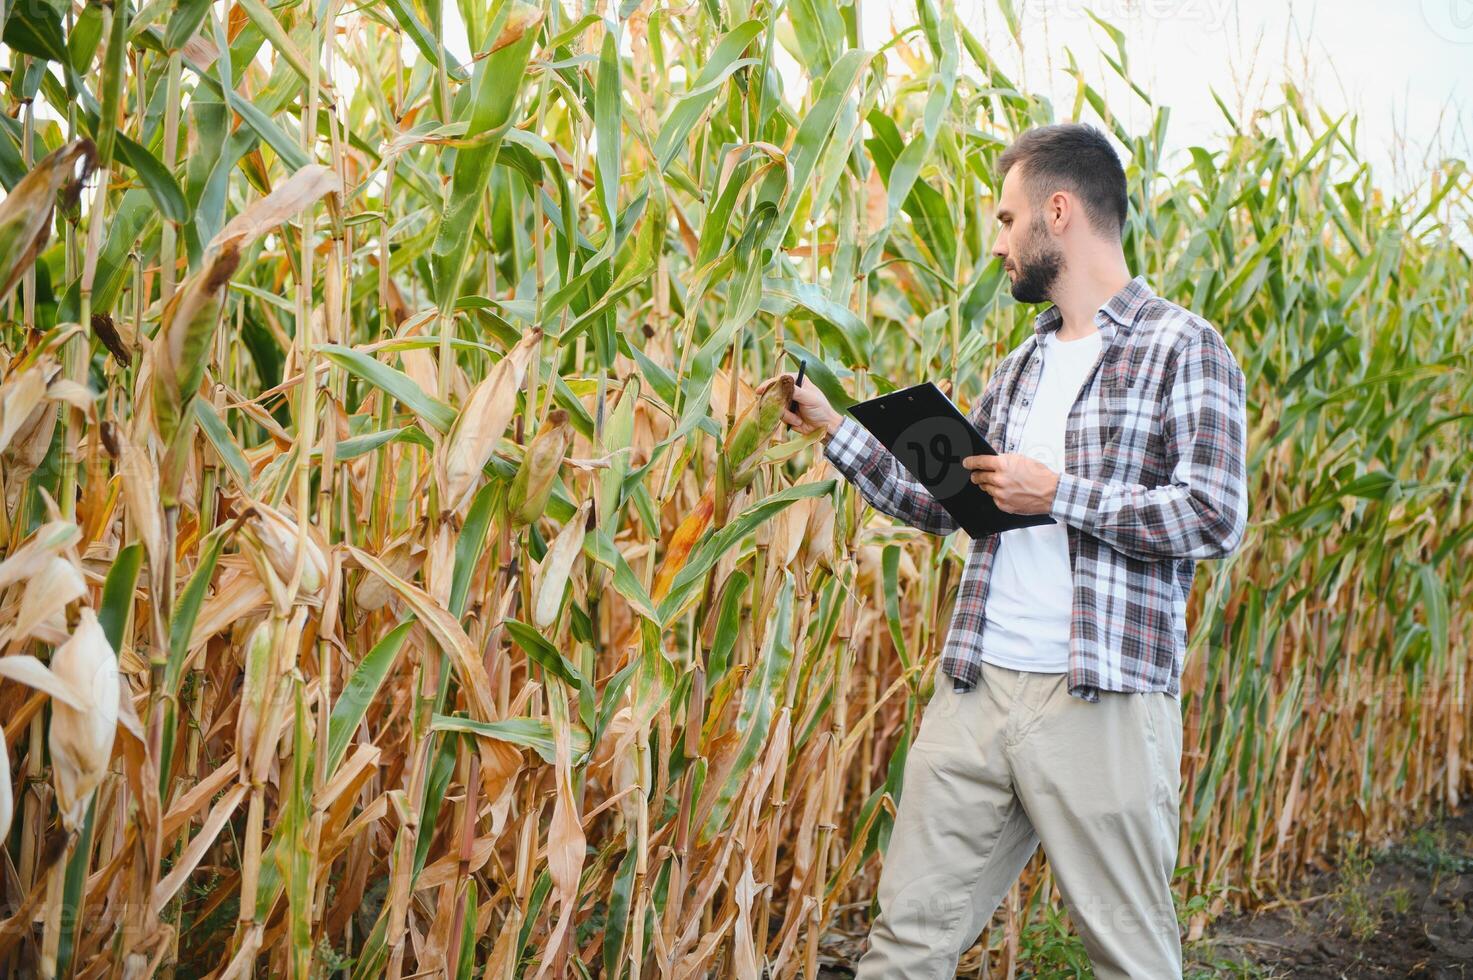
(1154, 479)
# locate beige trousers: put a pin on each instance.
(1014, 762)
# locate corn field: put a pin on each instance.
(405, 571)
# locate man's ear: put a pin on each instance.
(1058, 212)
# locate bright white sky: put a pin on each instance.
(1404, 66)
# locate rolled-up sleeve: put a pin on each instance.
(865, 462)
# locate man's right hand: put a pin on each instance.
(814, 411)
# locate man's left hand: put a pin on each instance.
(1018, 484)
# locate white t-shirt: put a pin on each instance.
(1031, 590)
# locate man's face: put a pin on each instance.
(1029, 255)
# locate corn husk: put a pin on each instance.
(482, 421)
(140, 477)
(43, 607)
(754, 428)
(404, 558)
(538, 472)
(182, 348)
(277, 535)
(30, 558)
(7, 800)
(25, 214)
(256, 688)
(81, 741)
(272, 696)
(439, 565)
(566, 843)
(740, 458)
(21, 396)
(30, 418)
(557, 565)
(818, 540)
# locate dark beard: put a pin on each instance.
(1037, 276)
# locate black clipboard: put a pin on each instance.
(929, 436)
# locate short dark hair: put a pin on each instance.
(1073, 157)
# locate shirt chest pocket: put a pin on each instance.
(1129, 422)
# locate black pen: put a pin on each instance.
(802, 366)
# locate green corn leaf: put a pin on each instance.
(488, 116)
(606, 123)
(532, 733)
(618, 431)
(834, 97)
(890, 566)
(393, 382)
(160, 184)
(268, 25)
(420, 35)
(181, 627)
(112, 84)
(841, 329)
(352, 703)
(536, 646)
(728, 625)
(600, 547)
(117, 594)
(725, 59)
(616, 922)
(214, 429)
(185, 20)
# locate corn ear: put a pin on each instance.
(182, 349)
(81, 741)
(26, 212)
(752, 430)
(278, 538)
(818, 539)
(28, 420)
(737, 464)
(687, 533)
(482, 420)
(21, 396)
(255, 689)
(538, 472)
(557, 565)
(140, 477)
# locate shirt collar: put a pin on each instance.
(1121, 308)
